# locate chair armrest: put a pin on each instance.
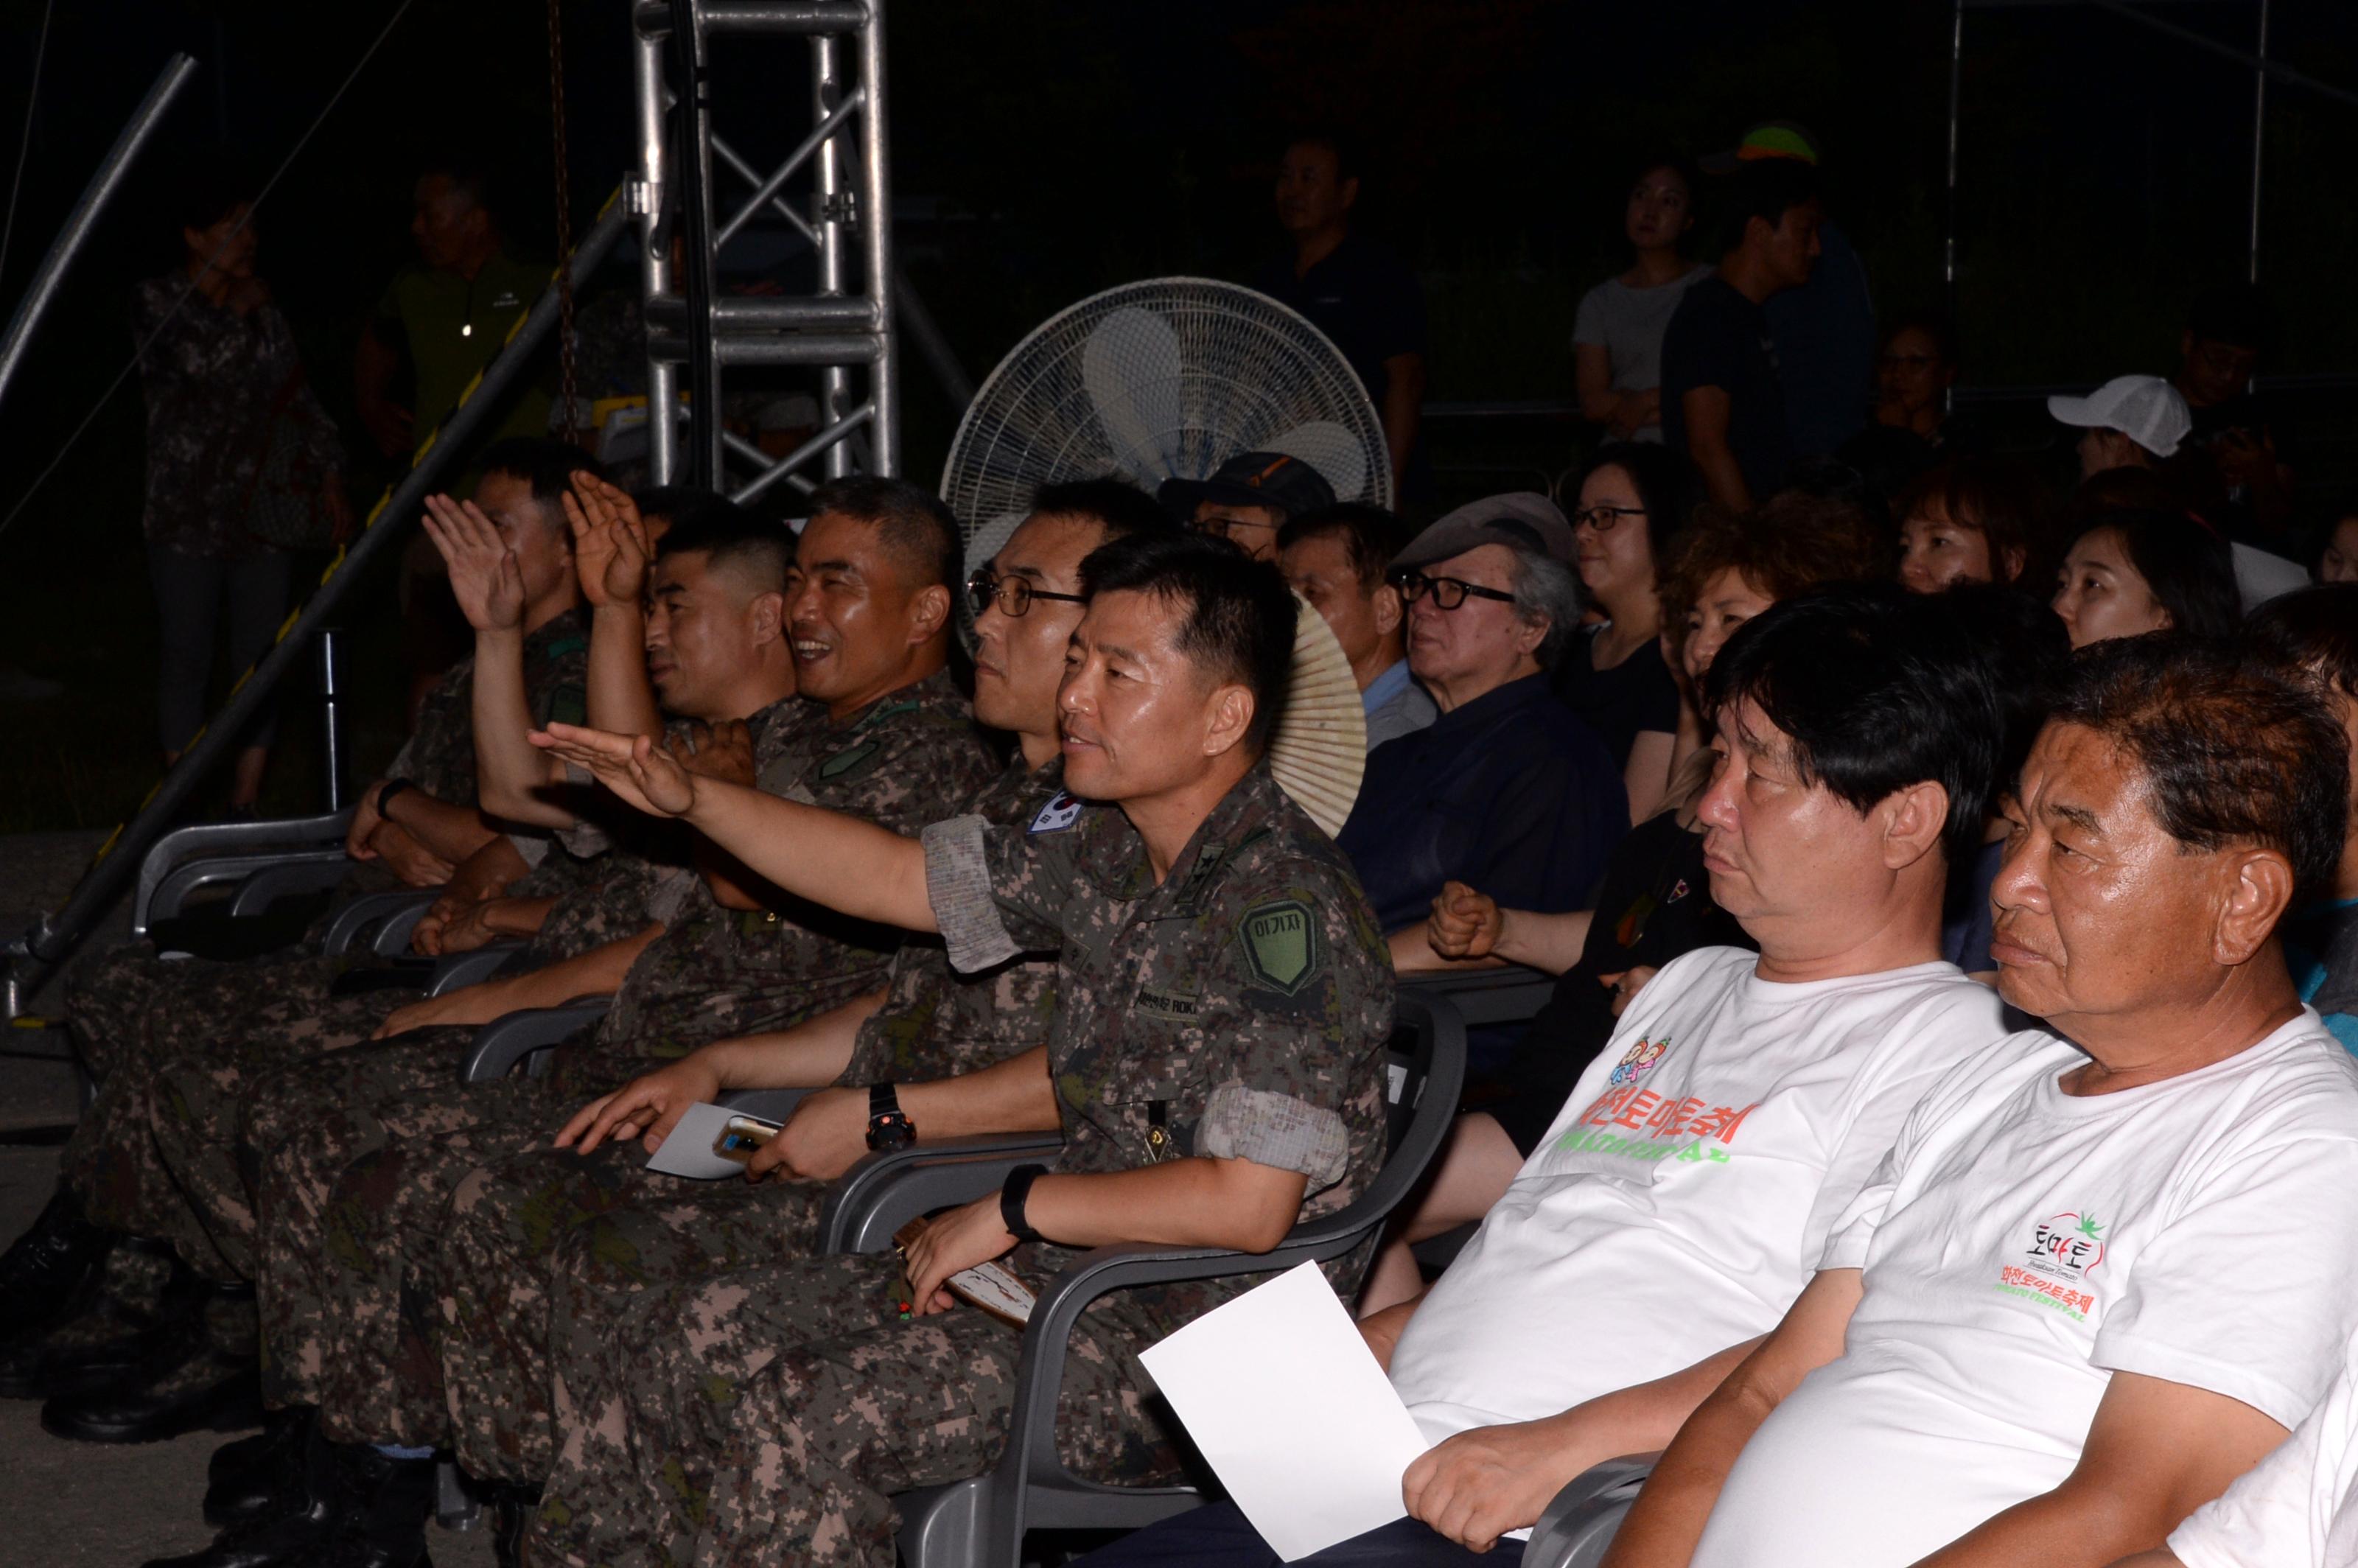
(354, 915)
(207, 840)
(1511, 995)
(392, 938)
(455, 971)
(887, 1189)
(289, 876)
(1578, 1523)
(527, 1032)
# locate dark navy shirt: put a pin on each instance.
(1510, 793)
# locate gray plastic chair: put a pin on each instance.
(293, 855)
(1484, 997)
(1580, 1521)
(525, 1038)
(981, 1522)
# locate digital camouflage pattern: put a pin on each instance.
(1238, 1009)
(356, 1156)
(508, 1220)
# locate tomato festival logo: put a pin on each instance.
(2053, 1258)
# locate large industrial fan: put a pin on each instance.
(1167, 379)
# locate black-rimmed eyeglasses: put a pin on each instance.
(1014, 595)
(1448, 593)
(1602, 519)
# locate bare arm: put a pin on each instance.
(1403, 407)
(830, 1130)
(375, 362)
(1668, 1518)
(513, 778)
(612, 550)
(1592, 379)
(1467, 923)
(852, 867)
(1475, 1486)
(1707, 410)
(453, 832)
(1647, 778)
(597, 972)
(2155, 1452)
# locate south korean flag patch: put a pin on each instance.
(1059, 814)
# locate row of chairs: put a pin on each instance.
(238, 871)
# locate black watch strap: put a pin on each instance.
(1013, 1195)
(889, 1126)
(392, 788)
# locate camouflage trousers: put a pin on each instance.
(137, 1019)
(618, 1227)
(766, 1415)
(351, 1160)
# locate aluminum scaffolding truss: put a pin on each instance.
(833, 189)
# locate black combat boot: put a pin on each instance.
(204, 1386)
(295, 1531)
(145, 1312)
(48, 1274)
(382, 1505)
(256, 1477)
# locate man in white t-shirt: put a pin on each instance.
(1685, 1191)
(2091, 1284)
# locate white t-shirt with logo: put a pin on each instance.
(2018, 1247)
(1686, 1192)
(2298, 1507)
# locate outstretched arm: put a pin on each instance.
(852, 867)
(510, 774)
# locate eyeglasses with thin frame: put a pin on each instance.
(1448, 593)
(1014, 595)
(1219, 527)
(1602, 519)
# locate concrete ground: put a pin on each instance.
(68, 1504)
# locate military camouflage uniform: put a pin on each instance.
(490, 1328)
(132, 1012)
(356, 1155)
(1239, 1009)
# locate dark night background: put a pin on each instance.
(1047, 148)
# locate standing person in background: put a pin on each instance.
(1339, 559)
(1722, 401)
(226, 399)
(2218, 351)
(1633, 501)
(1616, 338)
(1823, 329)
(444, 315)
(1356, 291)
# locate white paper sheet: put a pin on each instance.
(1286, 1401)
(688, 1150)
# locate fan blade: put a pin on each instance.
(1333, 451)
(1131, 368)
(988, 537)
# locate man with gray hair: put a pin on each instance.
(1507, 783)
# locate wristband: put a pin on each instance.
(1013, 1196)
(392, 788)
(889, 1126)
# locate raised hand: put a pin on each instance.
(611, 547)
(1464, 924)
(484, 575)
(642, 774)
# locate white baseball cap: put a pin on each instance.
(2144, 408)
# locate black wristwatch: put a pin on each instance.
(1013, 1195)
(391, 787)
(889, 1126)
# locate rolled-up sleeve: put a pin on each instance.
(958, 883)
(1245, 1123)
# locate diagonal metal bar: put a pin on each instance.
(769, 188)
(783, 469)
(753, 176)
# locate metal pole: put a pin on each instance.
(654, 248)
(695, 108)
(335, 756)
(2259, 135)
(55, 936)
(1949, 226)
(827, 219)
(84, 218)
(876, 245)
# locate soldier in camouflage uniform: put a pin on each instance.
(1215, 1063)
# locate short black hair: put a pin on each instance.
(1668, 486)
(545, 464)
(1116, 505)
(215, 183)
(1371, 536)
(1344, 145)
(2230, 313)
(2028, 647)
(2309, 634)
(2188, 564)
(2232, 753)
(1766, 190)
(725, 534)
(1877, 694)
(468, 177)
(1240, 617)
(1934, 323)
(917, 528)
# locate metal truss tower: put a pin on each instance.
(834, 189)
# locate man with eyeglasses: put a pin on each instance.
(1247, 499)
(1507, 783)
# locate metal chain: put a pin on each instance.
(570, 424)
